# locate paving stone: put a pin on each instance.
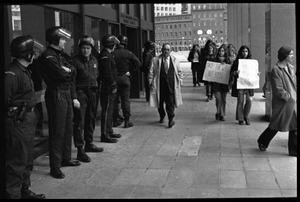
(261, 180)
(232, 179)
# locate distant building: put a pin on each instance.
(167, 9)
(174, 29)
(209, 22)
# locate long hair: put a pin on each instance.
(240, 56)
(225, 50)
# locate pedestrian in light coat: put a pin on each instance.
(165, 84)
(284, 102)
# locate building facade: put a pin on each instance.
(167, 9)
(175, 30)
(96, 20)
(209, 22)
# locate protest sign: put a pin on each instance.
(249, 74)
(217, 72)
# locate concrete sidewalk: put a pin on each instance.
(198, 158)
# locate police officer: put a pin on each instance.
(108, 75)
(148, 54)
(20, 118)
(127, 63)
(60, 96)
(86, 78)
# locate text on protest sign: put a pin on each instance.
(249, 74)
(217, 72)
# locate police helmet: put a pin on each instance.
(21, 46)
(54, 34)
(149, 45)
(109, 40)
(123, 39)
(86, 40)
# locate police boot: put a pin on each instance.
(82, 156)
(28, 194)
(128, 123)
(108, 139)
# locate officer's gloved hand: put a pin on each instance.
(76, 103)
(127, 74)
(66, 69)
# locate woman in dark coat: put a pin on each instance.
(242, 110)
(208, 53)
(284, 102)
(194, 58)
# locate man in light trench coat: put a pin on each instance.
(165, 80)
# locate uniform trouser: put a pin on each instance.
(39, 117)
(116, 113)
(169, 99)
(243, 109)
(19, 144)
(268, 134)
(85, 116)
(147, 87)
(123, 83)
(60, 122)
(221, 102)
(107, 104)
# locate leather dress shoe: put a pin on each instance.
(221, 118)
(70, 163)
(28, 194)
(93, 148)
(56, 173)
(161, 120)
(171, 124)
(128, 124)
(115, 135)
(261, 146)
(82, 156)
(241, 122)
(108, 140)
(117, 123)
(247, 121)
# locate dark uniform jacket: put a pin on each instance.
(53, 74)
(18, 86)
(125, 61)
(108, 71)
(86, 71)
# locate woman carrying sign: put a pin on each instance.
(242, 109)
(220, 90)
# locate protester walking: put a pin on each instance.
(87, 88)
(284, 102)
(127, 63)
(243, 105)
(165, 79)
(220, 89)
(148, 54)
(60, 97)
(19, 101)
(208, 53)
(194, 58)
(108, 77)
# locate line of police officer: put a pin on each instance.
(71, 96)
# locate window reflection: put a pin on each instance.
(16, 17)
